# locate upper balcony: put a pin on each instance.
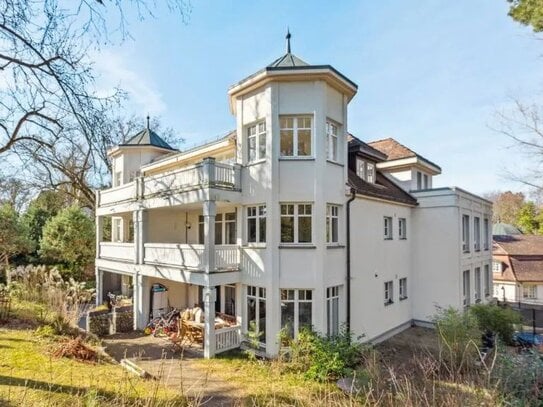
(186, 185)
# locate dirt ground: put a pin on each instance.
(174, 368)
(399, 350)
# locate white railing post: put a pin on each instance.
(208, 165)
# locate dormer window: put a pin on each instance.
(296, 135)
(365, 170)
(118, 180)
(331, 136)
(256, 141)
(496, 266)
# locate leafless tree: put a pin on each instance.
(523, 124)
(50, 114)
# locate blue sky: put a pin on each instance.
(431, 75)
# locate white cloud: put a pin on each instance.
(113, 69)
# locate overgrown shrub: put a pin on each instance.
(459, 338)
(519, 378)
(45, 286)
(325, 358)
(496, 319)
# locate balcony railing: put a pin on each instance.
(227, 338)
(207, 174)
(190, 256)
(117, 251)
(118, 194)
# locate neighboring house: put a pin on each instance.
(255, 224)
(517, 265)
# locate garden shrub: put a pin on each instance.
(459, 338)
(498, 320)
(325, 358)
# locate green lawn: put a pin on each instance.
(31, 376)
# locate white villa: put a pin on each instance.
(290, 221)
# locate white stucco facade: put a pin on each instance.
(256, 224)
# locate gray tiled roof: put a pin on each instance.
(147, 137)
(287, 60)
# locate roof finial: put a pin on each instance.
(288, 40)
(148, 118)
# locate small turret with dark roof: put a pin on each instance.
(147, 137)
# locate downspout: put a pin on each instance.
(348, 243)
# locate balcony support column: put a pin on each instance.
(99, 233)
(208, 167)
(210, 212)
(210, 296)
(140, 234)
(99, 286)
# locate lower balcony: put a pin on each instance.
(191, 256)
(185, 256)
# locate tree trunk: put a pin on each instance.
(4, 258)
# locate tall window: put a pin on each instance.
(389, 293)
(332, 140)
(486, 231)
(477, 233)
(365, 170)
(296, 310)
(488, 280)
(529, 291)
(256, 224)
(419, 180)
(387, 227)
(118, 179)
(256, 140)
(425, 179)
(332, 310)
(225, 228)
(465, 233)
(332, 223)
(477, 284)
(295, 136)
(230, 299)
(256, 311)
(370, 172)
(466, 290)
(296, 223)
(402, 228)
(403, 288)
(117, 229)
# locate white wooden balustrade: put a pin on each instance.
(190, 256)
(118, 194)
(202, 175)
(227, 338)
(117, 251)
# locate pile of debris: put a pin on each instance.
(76, 349)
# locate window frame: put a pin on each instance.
(296, 222)
(402, 231)
(477, 233)
(260, 214)
(529, 291)
(478, 285)
(259, 136)
(388, 231)
(295, 135)
(332, 310)
(220, 228)
(466, 288)
(388, 292)
(332, 141)
(497, 266)
(486, 232)
(402, 284)
(258, 294)
(488, 279)
(296, 300)
(332, 218)
(466, 241)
